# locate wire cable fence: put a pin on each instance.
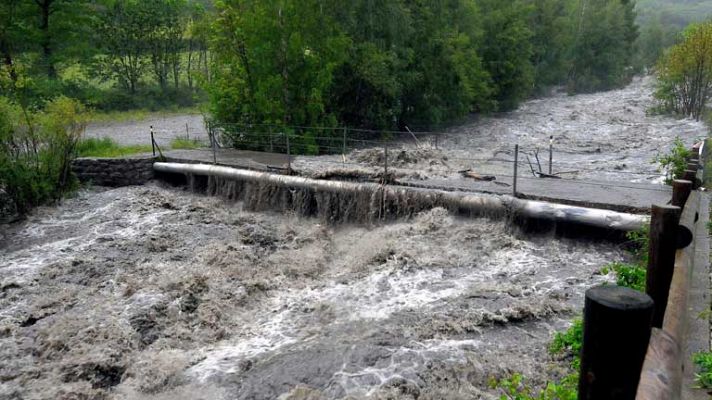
(521, 164)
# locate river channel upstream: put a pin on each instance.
(155, 292)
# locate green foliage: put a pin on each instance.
(36, 150)
(185, 144)
(552, 27)
(674, 163)
(603, 45)
(570, 341)
(107, 147)
(703, 361)
(633, 275)
(628, 275)
(685, 73)
(515, 388)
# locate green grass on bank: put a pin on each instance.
(106, 147)
(185, 144)
(703, 361)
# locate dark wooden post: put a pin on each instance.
(689, 175)
(616, 332)
(681, 190)
(153, 142)
(664, 223)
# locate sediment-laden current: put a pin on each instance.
(157, 293)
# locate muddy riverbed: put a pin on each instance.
(157, 293)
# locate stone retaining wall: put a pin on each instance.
(114, 172)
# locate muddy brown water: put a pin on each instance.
(157, 293)
(153, 292)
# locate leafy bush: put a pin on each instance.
(674, 163)
(704, 363)
(36, 150)
(630, 276)
(570, 341)
(515, 388)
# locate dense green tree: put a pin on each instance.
(167, 22)
(62, 30)
(552, 28)
(275, 61)
(14, 28)
(123, 28)
(602, 54)
(507, 51)
(685, 73)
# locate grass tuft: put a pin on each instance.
(703, 361)
(185, 144)
(106, 148)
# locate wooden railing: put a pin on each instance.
(634, 343)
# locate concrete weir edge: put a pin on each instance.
(475, 203)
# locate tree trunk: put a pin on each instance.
(47, 51)
(188, 71)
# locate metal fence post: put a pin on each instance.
(343, 151)
(551, 154)
(214, 144)
(289, 156)
(153, 142)
(516, 166)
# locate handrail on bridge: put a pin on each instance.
(634, 343)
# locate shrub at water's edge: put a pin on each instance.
(36, 150)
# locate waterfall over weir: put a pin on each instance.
(364, 202)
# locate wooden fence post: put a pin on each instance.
(616, 332)
(681, 190)
(153, 142)
(664, 224)
(689, 175)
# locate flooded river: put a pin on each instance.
(158, 293)
(150, 292)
